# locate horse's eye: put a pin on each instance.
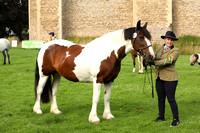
(141, 37)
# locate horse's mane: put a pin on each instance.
(128, 33)
(119, 36)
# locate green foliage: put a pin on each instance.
(134, 110)
(187, 44)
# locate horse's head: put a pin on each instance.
(141, 42)
(193, 59)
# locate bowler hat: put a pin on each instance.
(51, 33)
(170, 34)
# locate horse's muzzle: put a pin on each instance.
(147, 59)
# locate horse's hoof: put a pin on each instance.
(94, 119)
(56, 111)
(140, 73)
(37, 111)
(108, 116)
(95, 122)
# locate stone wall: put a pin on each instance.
(186, 17)
(97, 17)
(44, 17)
(158, 14)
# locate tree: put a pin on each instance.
(13, 18)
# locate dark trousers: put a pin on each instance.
(166, 89)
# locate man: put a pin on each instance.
(51, 36)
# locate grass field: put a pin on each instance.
(134, 111)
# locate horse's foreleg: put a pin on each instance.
(8, 56)
(107, 112)
(41, 84)
(56, 82)
(140, 61)
(4, 55)
(134, 64)
(93, 118)
(133, 55)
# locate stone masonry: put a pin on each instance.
(98, 17)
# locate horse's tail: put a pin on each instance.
(47, 88)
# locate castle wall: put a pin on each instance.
(158, 14)
(44, 18)
(97, 17)
(186, 17)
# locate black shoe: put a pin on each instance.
(175, 123)
(160, 119)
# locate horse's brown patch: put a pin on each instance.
(196, 55)
(61, 59)
(110, 67)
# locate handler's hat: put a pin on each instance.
(170, 34)
(51, 33)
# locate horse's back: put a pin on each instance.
(4, 44)
(59, 56)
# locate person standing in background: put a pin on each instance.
(51, 36)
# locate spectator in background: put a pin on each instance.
(51, 36)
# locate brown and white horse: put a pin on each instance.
(195, 58)
(99, 62)
(135, 54)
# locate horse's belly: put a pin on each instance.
(83, 75)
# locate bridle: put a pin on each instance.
(140, 51)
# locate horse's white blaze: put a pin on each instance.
(150, 48)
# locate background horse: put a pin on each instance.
(194, 58)
(5, 46)
(134, 54)
(99, 62)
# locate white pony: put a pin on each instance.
(5, 46)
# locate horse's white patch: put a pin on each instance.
(150, 48)
(67, 54)
(198, 58)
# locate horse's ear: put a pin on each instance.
(145, 25)
(138, 25)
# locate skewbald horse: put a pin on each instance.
(99, 62)
(195, 58)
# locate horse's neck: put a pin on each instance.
(112, 40)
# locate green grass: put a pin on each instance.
(133, 110)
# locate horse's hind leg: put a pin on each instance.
(107, 113)
(56, 82)
(133, 55)
(140, 61)
(41, 84)
(93, 118)
(4, 55)
(8, 56)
